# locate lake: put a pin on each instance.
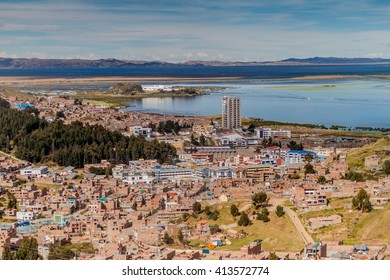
(349, 103)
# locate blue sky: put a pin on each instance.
(180, 30)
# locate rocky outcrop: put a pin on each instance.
(125, 89)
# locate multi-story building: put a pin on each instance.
(298, 157)
(231, 112)
(266, 133)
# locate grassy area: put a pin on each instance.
(355, 158)
(356, 227)
(47, 186)
(373, 227)
(299, 128)
(82, 247)
(278, 235)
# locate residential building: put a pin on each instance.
(231, 112)
(34, 171)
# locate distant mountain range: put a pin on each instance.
(36, 63)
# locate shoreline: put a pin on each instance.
(39, 80)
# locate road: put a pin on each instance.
(298, 225)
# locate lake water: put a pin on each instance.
(349, 103)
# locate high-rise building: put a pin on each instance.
(231, 112)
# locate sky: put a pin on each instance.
(184, 30)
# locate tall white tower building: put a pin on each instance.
(231, 112)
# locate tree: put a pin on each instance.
(180, 237)
(259, 198)
(207, 210)
(273, 256)
(234, 210)
(143, 201)
(362, 201)
(308, 158)
(7, 254)
(321, 180)
(295, 146)
(197, 207)
(244, 220)
(28, 249)
(12, 202)
(167, 239)
(59, 252)
(60, 115)
(251, 128)
(386, 167)
(309, 169)
(279, 211)
(4, 103)
(213, 215)
(263, 215)
(214, 229)
(202, 140)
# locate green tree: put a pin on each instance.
(321, 180)
(167, 239)
(7, 254)
(362, 201)
(259, 198)
(197, 207)
(244, 220)
(386, 167)
(234, 210)
(207, 210)
(12, 202)
(295, 146)
(263, 215)
(273, 256)
(57, 251)
(309, 169)
(4, 103)
(279, 211)
(202, 140)
(214, 229)
(180, 237)
(28, 249)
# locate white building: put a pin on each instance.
(143, 131)
(171, 173)
(34, 171)
(266, 133)
(25, 216)
(156, 88)
(133, 176)
(298, 157)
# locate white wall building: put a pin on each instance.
(34, 171)
(143, 131)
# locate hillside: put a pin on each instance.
(355, 158)
(37, 63)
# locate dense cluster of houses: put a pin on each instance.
(126, 214)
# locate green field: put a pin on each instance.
(355, 228)
(355, 158)
(279, 234)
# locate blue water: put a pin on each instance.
(351, 103)
(249, 72)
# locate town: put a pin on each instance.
(233, 191)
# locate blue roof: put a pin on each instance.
(316, 245)
(24, 106)
(301, 152)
